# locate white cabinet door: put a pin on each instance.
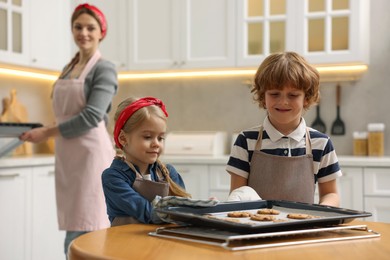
(379, 207)
(195, 178)
(219, 180)
(115, 45)
(350, 187)
(325, 32)
(14, 32)
(15, 213)
(377, 193)
(44, 217)
(49, 34)
(153, 33)
(176, 34)
(333, 32)
(207, 34)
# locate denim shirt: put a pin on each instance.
(121, 199)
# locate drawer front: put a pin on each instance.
(195, 178)
(219, 182)
(377, 181)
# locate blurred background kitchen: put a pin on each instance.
(218, 103)
(149, 39)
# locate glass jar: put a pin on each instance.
(360, 143)
(376, 138)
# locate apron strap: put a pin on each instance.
(92, 61)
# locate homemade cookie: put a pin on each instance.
(299, 216)
(268, 211)
(239, 214)
(259, 217)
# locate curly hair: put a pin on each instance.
(287, 68)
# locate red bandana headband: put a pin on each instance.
(131, 109)
(99, 14)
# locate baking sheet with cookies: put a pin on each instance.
(249, 217)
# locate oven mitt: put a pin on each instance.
(174, 201)
(243, 193)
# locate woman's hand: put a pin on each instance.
(39, 135)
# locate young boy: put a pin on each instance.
(283, 159)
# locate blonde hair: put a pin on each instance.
(133, 122)
(286, 68)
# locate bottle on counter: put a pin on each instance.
(376, 138)
(360, 143)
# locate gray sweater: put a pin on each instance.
(100, 86)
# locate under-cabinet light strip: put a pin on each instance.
(178, 74)
(28, 74)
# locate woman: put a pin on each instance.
(81, 100)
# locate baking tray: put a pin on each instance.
(9, 134)
(216, 216)
(235, 241)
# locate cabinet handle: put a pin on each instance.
(12, 175)
(34, 60)
(51, 173)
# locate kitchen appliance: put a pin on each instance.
(196, 143)
(9, 135)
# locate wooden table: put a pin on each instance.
(133, 242)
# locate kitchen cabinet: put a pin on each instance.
(49, 34)
(44, 227)
(325, 32)
(195, 178)
(219, 181)
(377, 193)
(114, 46)
(176, 34)
(13, 32)
(30, 36)
(28, 221)
(15, 192)
(169, 34)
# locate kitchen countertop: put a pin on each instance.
(48, 159)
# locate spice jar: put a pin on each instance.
(360, 143)
(376, 138)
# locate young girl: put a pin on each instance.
(133, 181)
(283, 159)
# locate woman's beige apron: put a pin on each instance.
(282, 178)
(80, 161)
(148, 189)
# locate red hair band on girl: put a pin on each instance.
(99, 14)
(131, 109)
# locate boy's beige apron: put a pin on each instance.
(148, 189)
(282, 178)
(80, 161)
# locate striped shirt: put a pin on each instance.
(326, 166)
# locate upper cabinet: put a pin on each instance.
(169, 34)
(324, 31)
(13, 31)
(49, 34)
(35, 33)
(181, 34)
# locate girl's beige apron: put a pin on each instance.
(282, 178)
(148, 189)
(80, 161)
